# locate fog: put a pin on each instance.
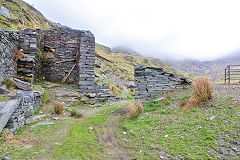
(200, 29)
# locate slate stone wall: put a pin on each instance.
(8, 45)
(86, 63)
(27, 66)
(152, 82)
(29, 102)
(65, 43)
(64, 51)
(71, 48)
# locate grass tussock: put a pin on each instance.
(59, 108)
(19, 26)
(110, 87)
(134, 110)
(17, 140)
(132, 90)
(202, 92)
(76, 114)
(115, 90)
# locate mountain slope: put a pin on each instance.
(22, 13)
(122, 65)
(213, 69)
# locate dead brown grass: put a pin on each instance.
(110, 87)
(17, 140)
(48, 55)
(59, 108)
(134, 110)
(19, 26)
(132, 89)
(76, 113)
(115, 90)
(202, 92)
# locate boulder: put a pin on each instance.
(3, 90)
(91, 95)
(5, 12)
(21, 84)
(84, 99)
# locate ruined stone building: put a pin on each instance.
(69, 55)
(60, 54)
(151, 82)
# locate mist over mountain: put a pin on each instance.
(214, 69)
(125, 50)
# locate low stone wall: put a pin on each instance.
(152, 82)
(103, 93)
(8, 45)
(25, 104)
(6, 110)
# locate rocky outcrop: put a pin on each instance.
(5, 12)
(152, 82)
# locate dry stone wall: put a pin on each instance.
(26, 66)
(61, 46)
(152, 82)
(74, 54)
(16, 112)
(8, 45)
(86, 63)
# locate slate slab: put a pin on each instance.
(6, 110)
(5, 12)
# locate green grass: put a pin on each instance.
(130, 95)
(3, 98)
(68, 139)
(20, 10)
(45, 99)
(190, 134)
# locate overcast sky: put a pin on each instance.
(202, 29)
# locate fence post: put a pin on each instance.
(225, 79)
(229, 75)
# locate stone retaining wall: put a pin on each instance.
(152, 82)
(24, 106)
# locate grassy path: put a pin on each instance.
(109, 136)
(91, 138)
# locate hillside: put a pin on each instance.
(213, 69)
(122, 65)
(22, 13)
